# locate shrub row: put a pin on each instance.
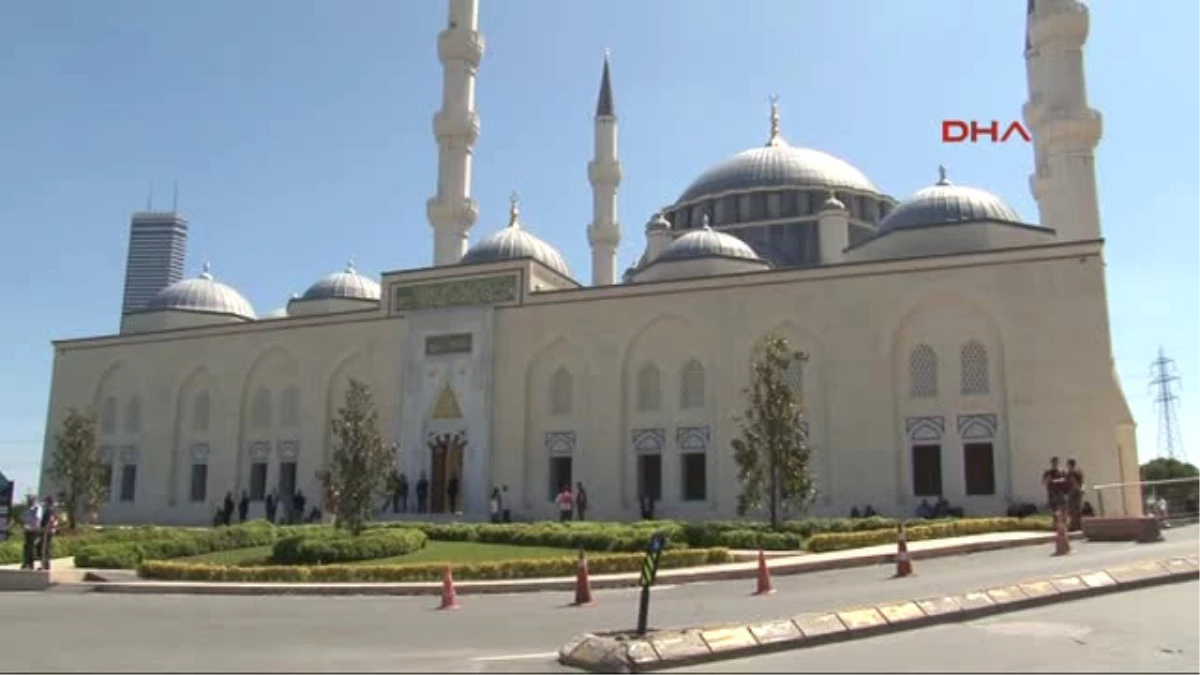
(323, 549)
(839, 541)
(176, 543)
(593, 536)
(66, 543)
(610, 563)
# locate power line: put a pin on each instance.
(1163, 377)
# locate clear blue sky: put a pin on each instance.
(300, 134)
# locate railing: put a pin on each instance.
(1172, 499)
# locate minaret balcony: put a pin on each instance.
(606, 235)
(456, 125)
(1077, 130)
(1059, 24)
(604, 172)
(457, 44)
(461, 212)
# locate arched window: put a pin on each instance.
(108, 418)
(260, 410)
(691, 385)
(133, 415)
(561, 386)
(649, 391)
(290, 415)
(201, 409)
(922, 372)
(975, 378)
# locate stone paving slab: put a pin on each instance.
(673, 648)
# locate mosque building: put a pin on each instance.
(953, 347)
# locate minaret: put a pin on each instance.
(1065, 130)
(604, 173)
(452, 212)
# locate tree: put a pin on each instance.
(1166, 468)
(360, 464)
(772, 454)
(75, 466)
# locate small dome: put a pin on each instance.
(201, 294)
(832, 203)
(514, 243)
(658, 223)
(778, 165)
(345, 285)
(707, 243)
(946, 203)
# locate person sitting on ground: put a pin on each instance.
(869, 512)
(941, 508)
(925, 510)
(854, 513)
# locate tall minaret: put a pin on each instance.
(452, 212)
(604, 173)
(1065, 130)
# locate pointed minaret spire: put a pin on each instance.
(452, 211)
(604, 173)
(514, 209)
(776, 139)
(604, 103)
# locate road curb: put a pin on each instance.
(621, 653)
(803, 564)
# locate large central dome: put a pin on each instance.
(777, 165)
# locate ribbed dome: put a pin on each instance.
(707, 243)
(201, 294)
(514, 243)
(946, 203)
(346, 285)
(777, 165)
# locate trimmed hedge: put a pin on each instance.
(176, 543)
(593, 536)
(841, 541)
(514, 569)
(66, 542)
(322, 549)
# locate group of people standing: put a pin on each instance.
(398, 493)
(571, 504)
(1064, 492)
(40, 524)
(293, 509)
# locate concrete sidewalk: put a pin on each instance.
(793, 564)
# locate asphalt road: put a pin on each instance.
(1152, 630)
(70, 631)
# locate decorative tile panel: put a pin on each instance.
(199, 453)
(649, 440)
(692, 439)
(457, 293)
(560, 442)
(260, 451)
(978, 427)
(129, 454)
(288, 451)
(925, 428)
(443, 345)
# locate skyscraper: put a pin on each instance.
(157, 253)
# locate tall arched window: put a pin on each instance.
(133, 415)
(975, 378)
(649, 389)
(561, 390)
(260, 411)
(108, 418)
(201, 410)
(691, 385)
(922, 372)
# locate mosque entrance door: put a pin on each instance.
(445, 480)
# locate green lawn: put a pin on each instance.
(451, 552)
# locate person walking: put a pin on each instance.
(581, 501)
(272, 506)
(1074, 496)
(494, 505)
(243, 507)
(565, 502)
(299, 501)
(31, 524)
(422, 494)
(227, 509)
(48, 528)
(452, 494)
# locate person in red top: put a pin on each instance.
(566, 503)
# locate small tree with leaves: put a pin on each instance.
(360, 464)
(75, 466)
(772, 454)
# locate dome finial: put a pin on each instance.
(514, 209)
(704, 222)
(775, 139)
(942, 179)
(350, 267)
(206, 271)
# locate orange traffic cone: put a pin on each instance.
(583, 584)
(903, 562)
(764, 576)
(449, 596)
(1062, 543)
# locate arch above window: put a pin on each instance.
(922, 372)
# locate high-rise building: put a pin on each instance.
(157, 253)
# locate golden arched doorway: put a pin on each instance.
(446, 462)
